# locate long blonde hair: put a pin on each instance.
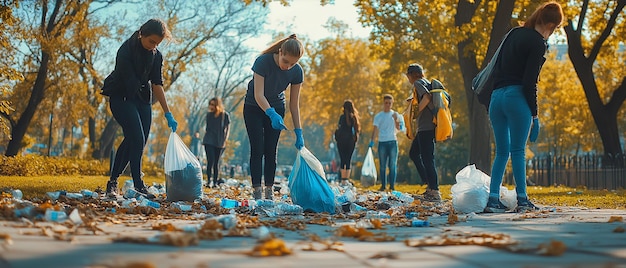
(219, 107)
(290, 45)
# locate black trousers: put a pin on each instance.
(213, 156)
(135, 117)
(422, 153)
(263, 144)
(345, 146)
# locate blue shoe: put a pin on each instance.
(524, 205)
(495, 206)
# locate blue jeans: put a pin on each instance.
(388, 156)
(511, 120)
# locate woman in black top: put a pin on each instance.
(513, 107)
(346, 135)
(137, 77)
(217, 130)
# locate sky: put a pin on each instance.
(307, 18)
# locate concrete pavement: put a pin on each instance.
(575, 237)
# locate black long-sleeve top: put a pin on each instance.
(135, 66)
(520, 60)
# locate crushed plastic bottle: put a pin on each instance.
(287, 209)
(89, 194)
(55, 195)
(182, 206)
(376, 215)
(75, 217)
(74, 195)
(132, 193)
(145, 202)
(55, 216)
(405, 198)
(419, 223)
(17, 194)
(228, 220)
(354, 207)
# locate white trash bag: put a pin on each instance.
(183, 172)
(471, 191)
(368, 171)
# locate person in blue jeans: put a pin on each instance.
(275, 70)
(513, 106)
(386, 125)
(136, 78)
(422, 151)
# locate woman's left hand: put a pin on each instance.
(299, 139)
(171, 122)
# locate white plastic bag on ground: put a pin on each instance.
(183, 172)
(368, 171)
(308, 187)
(471, 191)
(508, 197)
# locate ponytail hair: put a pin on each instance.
(549, 12)
(290, 45)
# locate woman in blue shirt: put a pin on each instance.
(274, 70)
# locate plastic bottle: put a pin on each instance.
(419, 223)
(229, 203)
(228, 220)
(145, 202)
(405, 198)
(55, 216)
(182, 206)
(287, 209)
(354, 207)
(74, 195)
(376, 215)
(127, 185)
(411, 214)
(132, 193)
(17, 194)
(265, 203)
(89, 194)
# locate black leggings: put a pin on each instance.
(135, 117)
(345, 146)
(213, 155)
(263, 144)
(423, 155)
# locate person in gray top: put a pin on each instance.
(215, 137)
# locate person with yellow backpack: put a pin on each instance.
(421, 119)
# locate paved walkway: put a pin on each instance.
(574, 237)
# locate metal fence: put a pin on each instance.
(591, 170)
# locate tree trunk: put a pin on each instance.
(106, 140)
(480, 126)
(604, 115)
(19, 130)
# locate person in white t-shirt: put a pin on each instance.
(386, 124)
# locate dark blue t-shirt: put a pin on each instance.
(276, 80)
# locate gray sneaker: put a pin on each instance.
(257, 194)
(432, 195)
(524, 205)
(269, 193)
(495, 206)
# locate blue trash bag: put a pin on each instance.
(308, 186)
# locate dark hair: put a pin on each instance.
(219, 107)
(415, 68)
(351, 114)
(387, 97)
(549, 12)
(157, 27)
(290, 45)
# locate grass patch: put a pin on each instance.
(37, 186)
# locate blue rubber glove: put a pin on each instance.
(534, 130)
(277, 120)
(171, 123)
(371, 144)
(299, 139)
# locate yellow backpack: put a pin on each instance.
(442, 116)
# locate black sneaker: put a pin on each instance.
(524, 205)
(111, 191)
(495, 206)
